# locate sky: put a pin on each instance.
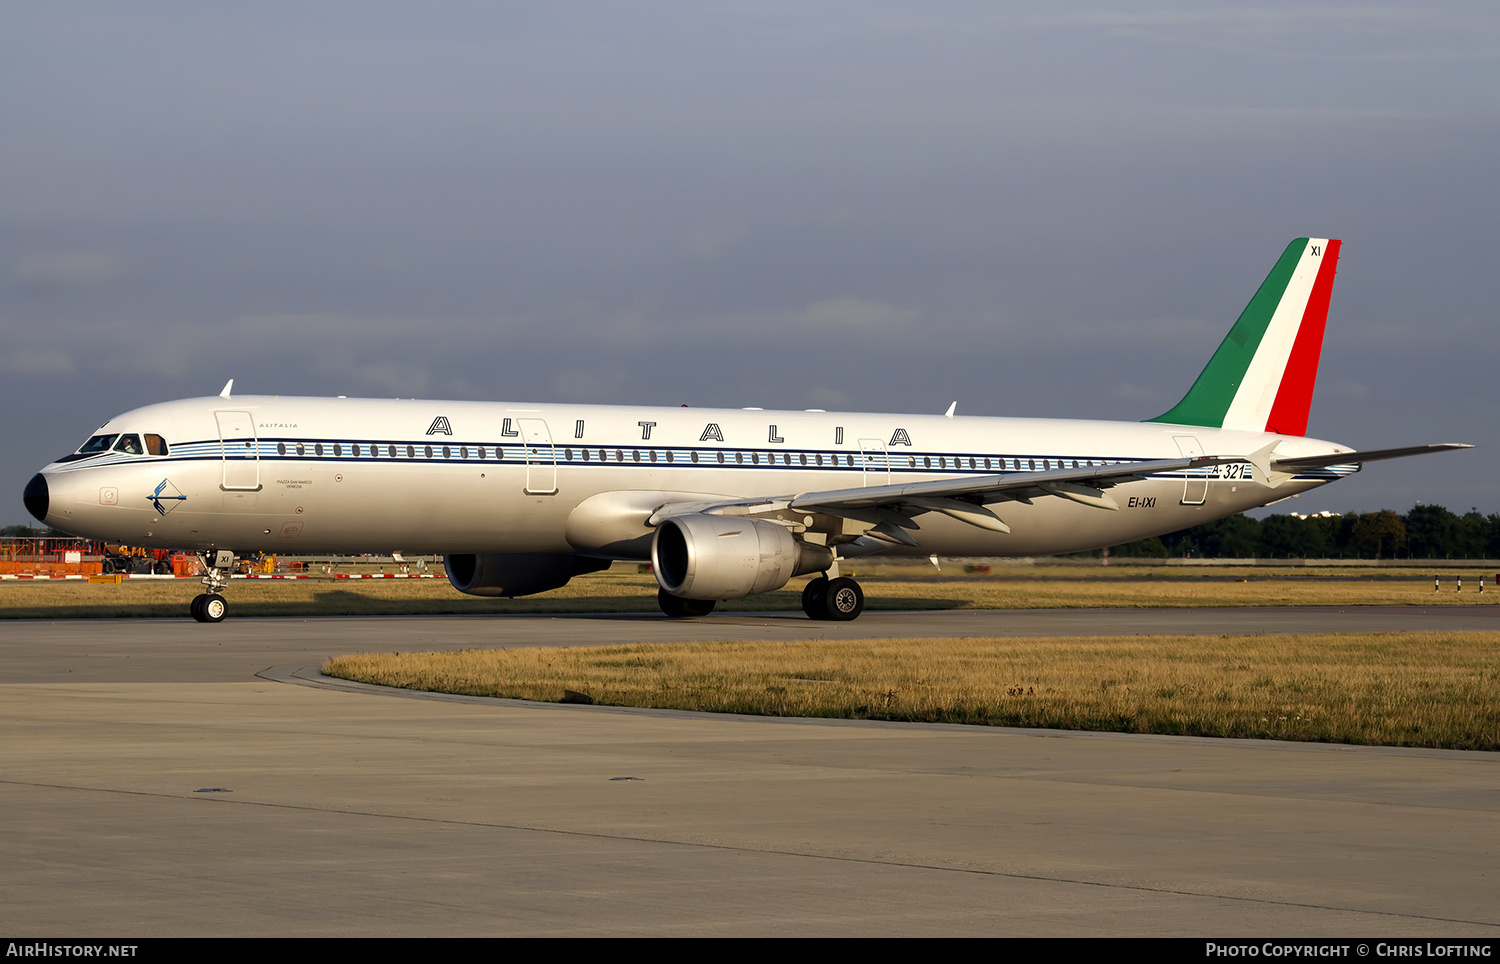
(1035, 209)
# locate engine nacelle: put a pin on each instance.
(704, 556)
(515, 574)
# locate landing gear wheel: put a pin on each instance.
(843, 600)
(209, 608)
(814, 595)
(679, 608)
(214, 608)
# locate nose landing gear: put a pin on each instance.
(211, 607)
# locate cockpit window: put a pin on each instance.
(156, 445)
(99, 443)
(130, 444)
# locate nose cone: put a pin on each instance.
(36, 497)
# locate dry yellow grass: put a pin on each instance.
(1406, 689)
(624, 589)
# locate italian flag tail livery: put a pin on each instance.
(1261, 378)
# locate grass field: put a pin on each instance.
(887, 586)
(1399, 689)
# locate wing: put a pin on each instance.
(886, 512)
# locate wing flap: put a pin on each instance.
(979, 489)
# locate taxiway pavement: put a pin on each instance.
(153, 785)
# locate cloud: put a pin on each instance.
(855, 313)
(1134, 393)
(709, 241)
(46, 361)
(67, 269)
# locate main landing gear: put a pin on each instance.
(680, 608)
(211, 607)
(839, 599)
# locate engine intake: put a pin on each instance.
(704, 556)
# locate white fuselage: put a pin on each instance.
(320, 475)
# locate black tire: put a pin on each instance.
(196, 609)
(214, 608)
(814, 595)
(678, 608)
(844, 600)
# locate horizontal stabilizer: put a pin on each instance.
(1359, 458)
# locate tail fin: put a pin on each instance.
(1261, 378)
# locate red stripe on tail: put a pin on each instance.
(1294, 396)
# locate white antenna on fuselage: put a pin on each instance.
(227, 387)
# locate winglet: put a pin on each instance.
(228, 386)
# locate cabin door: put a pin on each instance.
(1195, 489)
(877, 468)
(239, 447)
(541, 457)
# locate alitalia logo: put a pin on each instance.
(165, 497)
(440, 426)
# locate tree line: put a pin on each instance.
(1426, 532)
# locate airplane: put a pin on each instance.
(724, 503)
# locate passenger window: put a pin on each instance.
(130, 445)
(338, 449)
(301, 449)
(280, 448)
(411, 453)
(318, 448)
(428, 450)
(156, 445)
